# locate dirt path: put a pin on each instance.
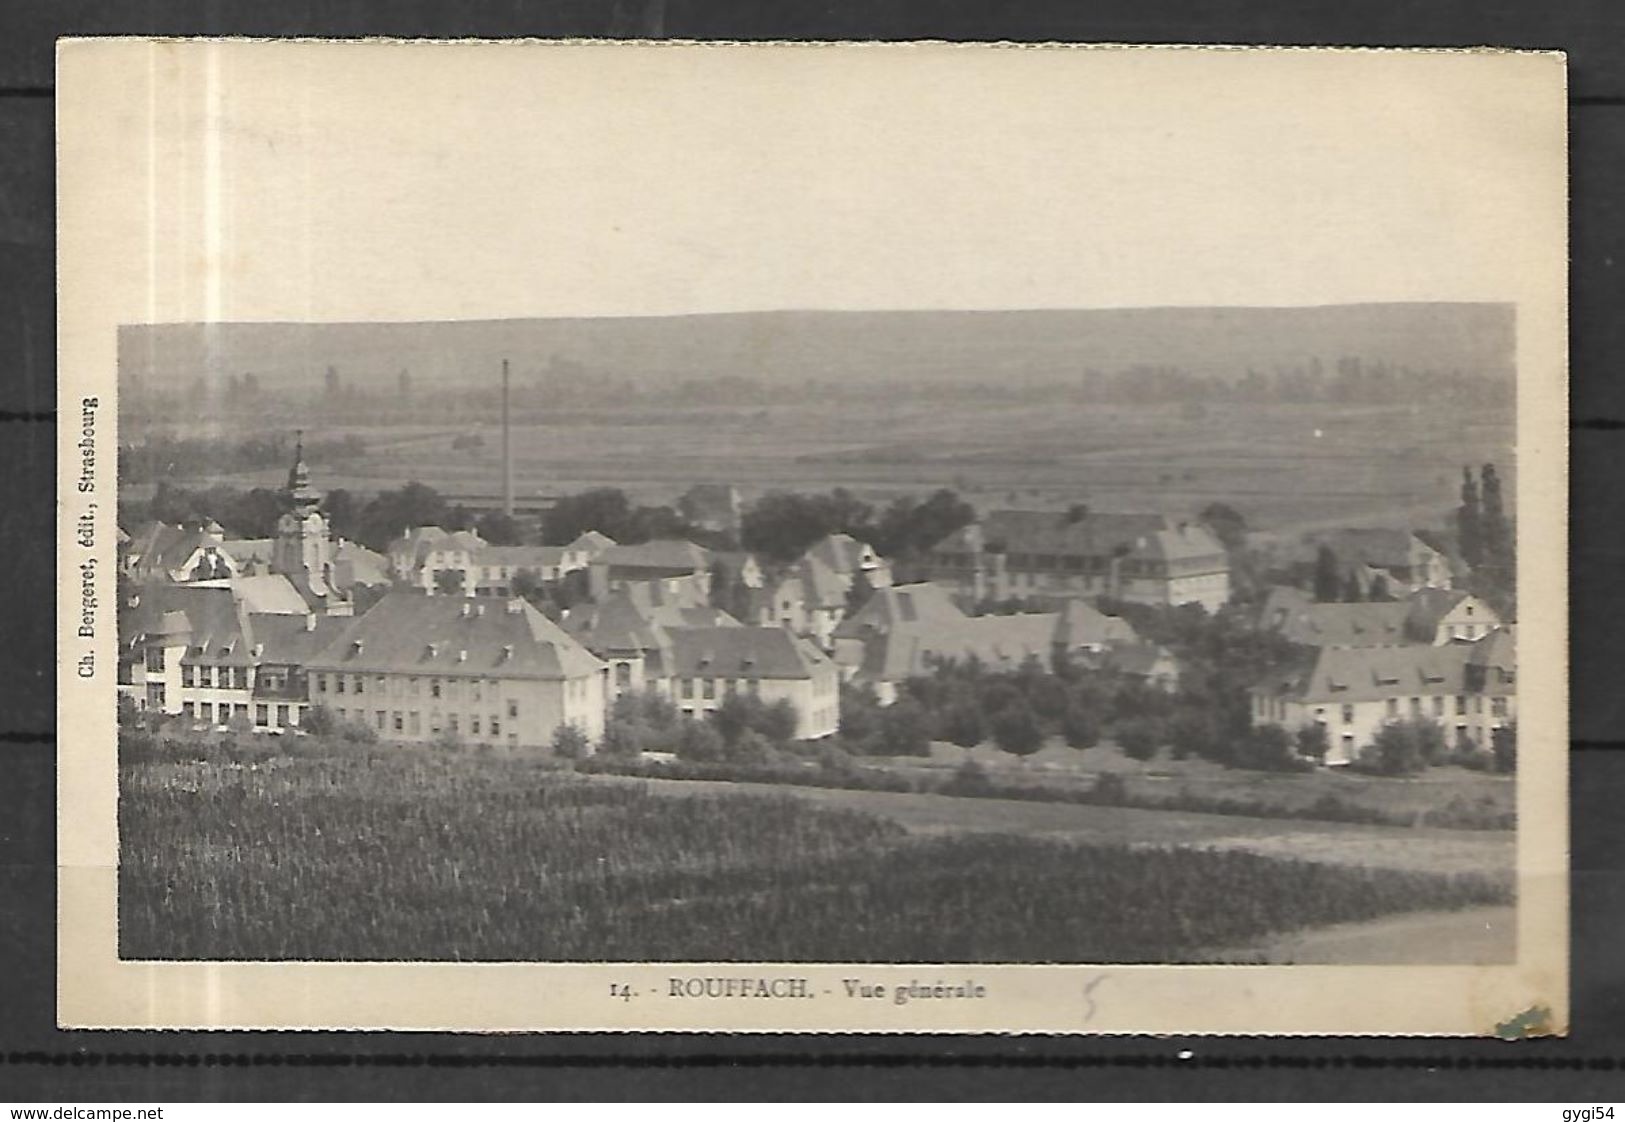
(1420, 850)
(1472, 937)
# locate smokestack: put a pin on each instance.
(507, 447)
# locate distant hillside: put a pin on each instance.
(795, 346)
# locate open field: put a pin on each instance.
(1284, 466)
(1056, 765)
(1472, 936)
(401, 854)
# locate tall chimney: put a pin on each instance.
(507, 447)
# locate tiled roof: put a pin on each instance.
(1092, 534)
(1281, 601)
(900, 605)
(592, 541)
(1186, 541)
(998, 642)
(635, 618)
(220, 632)
(841, 553)
(245, 550)
(1428, 607)
(667, 554)
(420, 541)
(294, 640)
(1341, 674)
(354, 564)
(1498, 649)
(1378, 547)
(159, 547)
(269, 593)
(521, 556)
(1361, 624)
(820, 587)
(742, 652)
(1084, 625)
(410, 632)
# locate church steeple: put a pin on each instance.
(304, 499)
(303, 549)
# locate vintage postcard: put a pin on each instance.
(812, 537)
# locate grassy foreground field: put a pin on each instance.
(414, 855)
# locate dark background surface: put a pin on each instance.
(37, 1062)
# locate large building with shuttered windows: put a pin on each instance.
(418, 667)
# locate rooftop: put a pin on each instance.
(410, 632)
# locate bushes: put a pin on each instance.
(774, 722)
(1403, 748)
(1138, 737)
(1504, 747)
(1268, 748)
(1016, 729)
(1079, 726)
(1313, 742)
(964, 725)
(570, 743)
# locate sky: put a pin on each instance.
(358, 181)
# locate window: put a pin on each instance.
(1416, 707)
(687, 687)
(338, 683)
(1461, 705)
(188, 674)
(360, 684)
(187, 708)
(474, 723)
(262, 716)
(513, 710)
(756, 685)
(496, 725)
(623, 675)
(434, 687)
(321, 682)
(708, 688)
(399, 721)
(155, 660)
(476, 696)
(206, 711)
(1348, 714)
(1438, 706)
(379, 719)
(282, 718)
(451, 724)
(1393, 706)
(1498, 706)
(412, 725)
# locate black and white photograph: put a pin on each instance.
(893, 514)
